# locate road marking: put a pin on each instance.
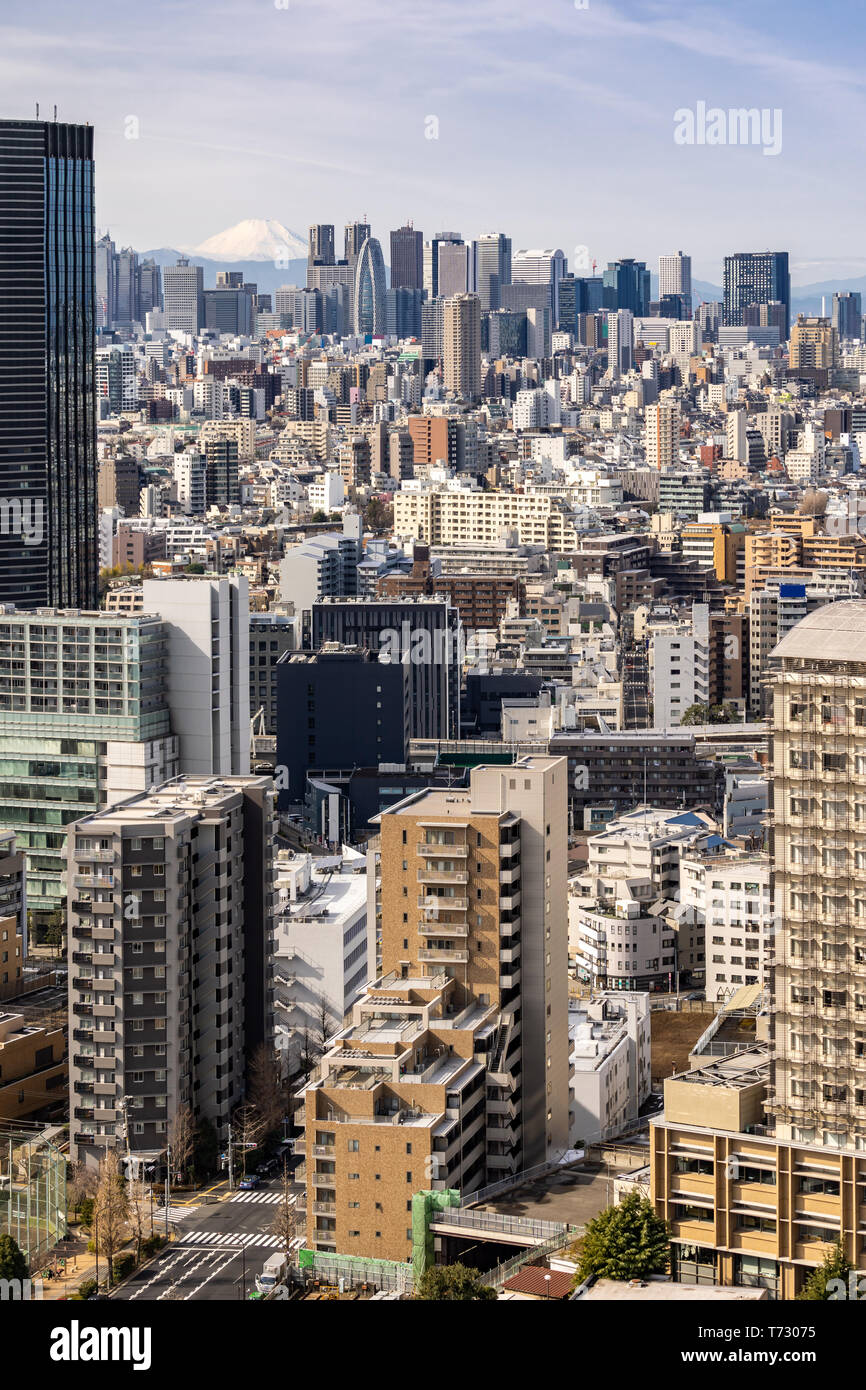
(236, 1239)
(257, 1197)
(174, 1214)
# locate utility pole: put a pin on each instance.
(231, 1183)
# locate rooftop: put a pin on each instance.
(834, 632)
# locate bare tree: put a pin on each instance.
(83, 1182)
(138, 1203)
(247, 1131)
(111, 1210)
(265, 1092)
(324, 1025)
(181, 1137)
(308, 1056)
(289, 1218)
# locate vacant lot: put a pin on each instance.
(673, 1037)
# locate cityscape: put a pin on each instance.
(432, 732)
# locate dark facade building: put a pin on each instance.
(48, 536)
(338, 708)
(756, 277)
(421, 633)
(407, 253)
(221, 457)
(626, 285)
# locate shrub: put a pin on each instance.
(87, 1287)
(123, 1264)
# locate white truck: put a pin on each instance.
(273, 1273)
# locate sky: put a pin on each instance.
(552, 121)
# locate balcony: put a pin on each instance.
(325, 1208)
(433, 904)
(322, 1179)
(437, 928)
(443, 851)
(445, 954)
(443, 876)
(324, 1151)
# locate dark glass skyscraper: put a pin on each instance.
(756, 277)
(407, 267)
(48, 540)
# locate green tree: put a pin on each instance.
(835, 1265)
(12, 1262)
(453, 1283)
(627, 1241)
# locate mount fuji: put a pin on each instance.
(256, 239)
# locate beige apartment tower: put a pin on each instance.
(454, 1069)
(461, 346)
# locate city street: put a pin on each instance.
(216, 1250)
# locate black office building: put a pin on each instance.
(756, 277)
(48, 537)
(421, 633)
(407, 251)
(338, 708)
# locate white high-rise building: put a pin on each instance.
(207, 668)
(675, 275)
(541, 268)
(620, 342)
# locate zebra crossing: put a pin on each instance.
(270, 1197)
(225, 1239)
(175, 1214)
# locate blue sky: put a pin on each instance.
(555, 123)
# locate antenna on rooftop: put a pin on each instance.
(37, 110)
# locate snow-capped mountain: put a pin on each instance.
(256, 239)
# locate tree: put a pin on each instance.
(627, 1241)
(181, 1138)
(111, 1210)
(138, 1214)
(453, 1283)
(265, 1089)
(287, 1220)
(325, 1024)
(82, 1184)
(12, 1262)
(307, 1056)
(835, 1265)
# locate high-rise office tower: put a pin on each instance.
(150, 292)
(675, 277)
(662, 436)
(48, 534)
(407, 266)
(540, 268)
(369, 289)
(321, 249)
(461, 345)
(627, 286)
(454, 268)
(491, 255)
(847, 315)
(221, 458)
(171, 941)
(354, 236)
(454, 1069)
(755, 277)
(620, 341)
(432, 259)
(819, 733)
(184, 296)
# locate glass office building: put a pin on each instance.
(48, 537)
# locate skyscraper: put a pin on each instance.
(755, 277)
(847, 315)
(369, 295)
(321, 250)
(461, 345)
(355, 234)
(627, 286)
(407, 270)
(184, 296)
(48, 534)
(675, 276)
(492, 268)
(540, 268)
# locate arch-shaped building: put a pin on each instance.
(370, 288)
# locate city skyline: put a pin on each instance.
(404, 116)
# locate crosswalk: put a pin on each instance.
(175, 1214)
(270, 1197)
(227, 1239)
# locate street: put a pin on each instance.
(217, 1249)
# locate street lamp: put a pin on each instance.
(547, 1285)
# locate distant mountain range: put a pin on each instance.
(805, 299)
(265, 274)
